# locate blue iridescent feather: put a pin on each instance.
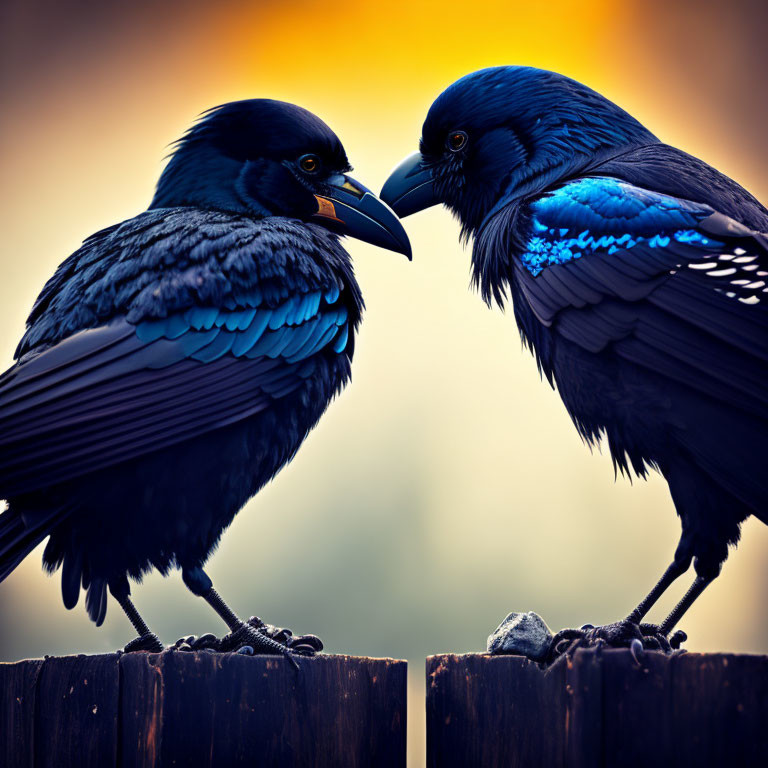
(617, 218)
(284, 330)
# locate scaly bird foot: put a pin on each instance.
(652, 634)
(305, 645)
(254, 637)
(622, 634)
(149, 642)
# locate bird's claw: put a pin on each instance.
(623, 634)
(149, 642)
(248, 636)
(652, 633)
(677, 639)
(653, 639)
(306, 645)
(563, 641)
(255, 637)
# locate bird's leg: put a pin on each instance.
(699, 585)
(146, 640)
(675, 570)
(242, 633)
(629, 632)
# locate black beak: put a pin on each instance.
(348, 208)
(409, 187)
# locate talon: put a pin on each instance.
(206, 641)
(313, 641)
(651, 643)
(303, 649)
(261, 643)
(278, 634)
(600, 644)
(639, 638)
(149, 642)
(677, 639)
(260, 638)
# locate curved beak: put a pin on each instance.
(409, 187)
(348, 208)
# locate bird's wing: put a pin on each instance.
(670, 285)
(598, 250)
(118, 391)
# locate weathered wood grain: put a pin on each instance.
(723, 700)
(598, 709)
(141, 710)
(17, 714)
(203, 709)
(477, 712)
(76, 705)
(582, 733)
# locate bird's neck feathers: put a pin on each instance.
(202, 177)
(492, 252)
(573, 150)
(548, 145)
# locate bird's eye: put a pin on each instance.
(309, 163)
(456, 140)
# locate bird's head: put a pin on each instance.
(268, 158)
(505, 132)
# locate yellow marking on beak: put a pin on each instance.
(350, 187)
(326, 209)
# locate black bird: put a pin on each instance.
(638, 279)
(176, 361)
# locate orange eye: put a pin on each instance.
(456, 140)
(309, 163)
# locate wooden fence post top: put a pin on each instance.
(487, 658)
(199, 709)
(598, 707)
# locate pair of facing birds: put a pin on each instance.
(176, 361)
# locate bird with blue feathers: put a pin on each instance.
(637, 274)
(176, 361)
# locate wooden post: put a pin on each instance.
(202, 709)
(598, 709)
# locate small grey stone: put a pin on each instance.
(523, 634)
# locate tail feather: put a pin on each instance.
(71, 574)
(96, 601)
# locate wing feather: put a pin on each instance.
(671, 285)
(117, 392)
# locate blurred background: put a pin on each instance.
(447, 485)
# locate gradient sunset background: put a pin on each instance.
(447, 485)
